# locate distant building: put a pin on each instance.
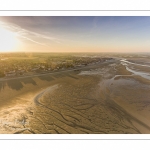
(34, 69)
(10, 74)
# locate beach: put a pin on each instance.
(104, 98)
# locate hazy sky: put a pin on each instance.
(75, 34)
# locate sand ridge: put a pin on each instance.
(100, 99)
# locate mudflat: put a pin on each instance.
(99, 99)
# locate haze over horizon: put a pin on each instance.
(74, 34)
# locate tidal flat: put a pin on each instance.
(105, 98)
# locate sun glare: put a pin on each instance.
(8, 40)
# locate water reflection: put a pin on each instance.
(140, 73)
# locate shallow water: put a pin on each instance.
(140, 73)
(125, 61)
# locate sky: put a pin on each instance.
(74, 34)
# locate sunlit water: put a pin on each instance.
(140, 73)
(125, 61)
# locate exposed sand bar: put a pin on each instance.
(103, 98)
(124, 60)
(142, 74)
(47, 90)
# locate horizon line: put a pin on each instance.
(74, 52)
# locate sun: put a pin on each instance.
(8, 40)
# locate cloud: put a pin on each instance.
(29, 35)
(33, 41)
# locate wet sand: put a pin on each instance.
(101, 99)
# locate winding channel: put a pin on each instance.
(142, 74)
